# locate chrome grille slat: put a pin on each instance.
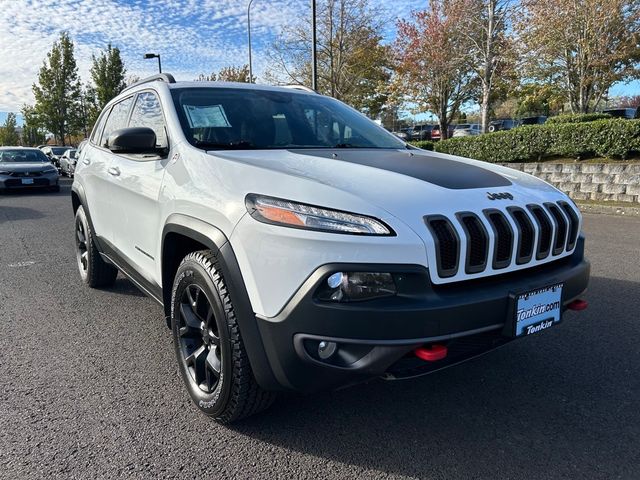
(502, 238)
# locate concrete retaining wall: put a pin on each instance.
(608, 182)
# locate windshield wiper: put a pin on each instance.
(349, 145)
(239, 145)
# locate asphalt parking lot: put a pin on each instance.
(89, 386)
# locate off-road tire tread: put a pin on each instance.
(246, 396)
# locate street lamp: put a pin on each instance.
(249, 35)
(314, 50)
(154, 55)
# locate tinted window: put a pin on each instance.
(22, 156)
(147, 112)
(59, 150)
(241, 118)
(117, 119)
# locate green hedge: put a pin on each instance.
(424, 144)
(578, 118)
(615, 138)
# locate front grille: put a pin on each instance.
(477, 242)
(545, 230)
(25, 174)
(526, 235)
(560, 224)
(500, 239)
(447, 244)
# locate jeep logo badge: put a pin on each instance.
(499, 196)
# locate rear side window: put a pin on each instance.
(117, 119)
(97, 130)
(147, 112)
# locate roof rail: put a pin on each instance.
(161, 77)
(300, 87)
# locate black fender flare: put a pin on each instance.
(215, 240)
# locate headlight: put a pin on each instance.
(277, 211)
(4, 172)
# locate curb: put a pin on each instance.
(630, 210)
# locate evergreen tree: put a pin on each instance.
(108, 74)
(8, 132)
(58, 90)
(33, 130)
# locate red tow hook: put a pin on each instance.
(431, 353)
(578, 305)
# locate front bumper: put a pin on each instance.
(376, 337)
(45, 180)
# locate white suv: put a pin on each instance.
(294, 244)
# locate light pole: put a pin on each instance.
(249, 35)
(154, 55)
(314, 51)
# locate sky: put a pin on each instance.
(192, 36)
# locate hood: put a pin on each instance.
(406, 183)
(24, 166)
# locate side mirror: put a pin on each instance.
(133, 140)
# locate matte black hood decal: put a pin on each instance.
(438, 171)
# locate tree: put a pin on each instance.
(489, 47)
(433, 68)
(632, 101)
(582, 46)
(58, 90)
(109, 79)
(8, 132)
(229, 74)
(33, 131)
(353, 65)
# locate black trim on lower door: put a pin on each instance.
(115, 257)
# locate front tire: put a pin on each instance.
(94, 271)
(211, 355)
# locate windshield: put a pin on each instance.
(59, 150)
(16, 156)
(226, 118)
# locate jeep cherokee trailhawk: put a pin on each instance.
(294, 244)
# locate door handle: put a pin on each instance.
(86, 161)
(115, 171)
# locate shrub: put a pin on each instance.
(578, 118)
(424, 144)
(615, 138)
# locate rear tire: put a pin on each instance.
(211, 355)
(94, 271)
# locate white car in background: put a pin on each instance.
(68, 162)
(467, 129)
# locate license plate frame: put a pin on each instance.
(532, 311)
(27, 181)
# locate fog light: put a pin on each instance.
(354, 286)
(326, 349)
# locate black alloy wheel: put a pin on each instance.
(199, 339)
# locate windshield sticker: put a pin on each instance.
(205, 116)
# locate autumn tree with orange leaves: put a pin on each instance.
(433, 68)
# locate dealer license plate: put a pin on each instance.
(27, 181)
(538, 310)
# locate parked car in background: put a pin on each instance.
(22, 167)
(54, 153)
(422, 132)
(628, 113)
(402, 135)
(504, 124)
(538, 120)
(467, 129)
(435, 132)
(68, 162)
